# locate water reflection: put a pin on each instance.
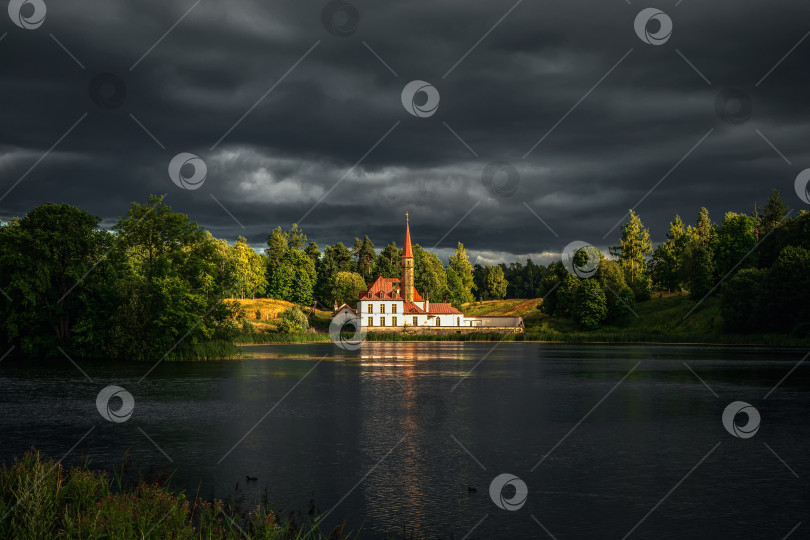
(315, 422)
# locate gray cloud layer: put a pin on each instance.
(503, 97)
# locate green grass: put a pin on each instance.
(275, 337)
(515, 307)
(660, 320)
(39, 498)
(209, 350)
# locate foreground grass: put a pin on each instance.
(39, 498)
(210, 350)
(276, 337)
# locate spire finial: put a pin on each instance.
(406, 217)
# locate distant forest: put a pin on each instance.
(157, 280)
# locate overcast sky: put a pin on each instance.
(299, 124)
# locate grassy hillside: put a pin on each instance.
(501, 308)
(264, 312)
(661, 319)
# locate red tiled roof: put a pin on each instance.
(442, 308)
(410, 307)
(406, 252)
(345, 306)
(386, 286)
(434, 308)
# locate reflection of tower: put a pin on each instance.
(407, 265)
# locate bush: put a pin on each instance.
(742, 300)
(787, 304)
(620, 298)
(292, 320)
(642, 288)
(590, 304)
(39, 498)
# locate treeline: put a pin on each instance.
(152, 285)
(758, 264)
(299, 272)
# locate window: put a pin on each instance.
(393, 321)
(458, 321)
(394, 308)
(382, 308)
(371, 321)
(370, 308)
(414, 322)
(382, 321)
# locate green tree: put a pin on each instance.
(292, 320)
(791, 231)
(700, 269)
(495, 282)
(699, 265)
(668, 258)
(54, 269)
(248, 269)
(313, 252)
(429, 276)
(620, 299)
(549, 286)
(383, 267)
(293, 278)
(296, 239)
(704, 231)
(479, 279)
(456, 293)
(336, 258)
(173, 295)
(387, 263)
(634, 246)
(157, 239)
(590, 305)
(276, 246)
(364, 254)
(734, 243)
(743, 298)
(772, 213)
(787, 303)
(346, 287)
(463, 269)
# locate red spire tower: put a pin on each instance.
(406, 279)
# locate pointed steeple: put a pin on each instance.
(406, 252)
(406, 274)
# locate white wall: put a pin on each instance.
(373, 308)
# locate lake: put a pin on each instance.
(608, 440)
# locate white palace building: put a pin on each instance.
(394, 304)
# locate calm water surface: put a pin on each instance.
(393, 435)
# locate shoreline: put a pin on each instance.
(554, 342)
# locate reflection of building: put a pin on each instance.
(394, 304)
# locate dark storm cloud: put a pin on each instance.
(284, 159)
